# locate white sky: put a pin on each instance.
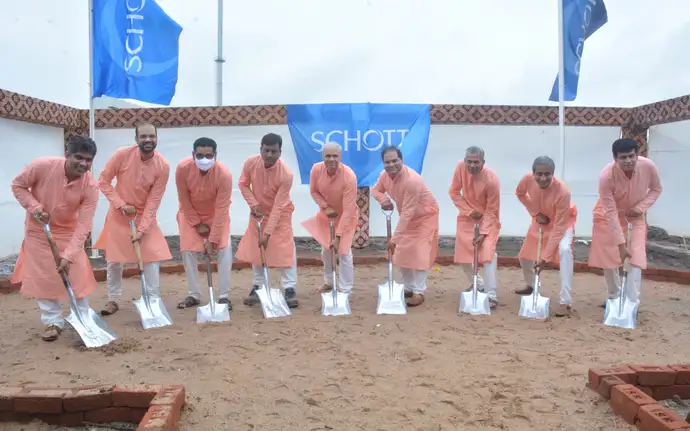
(415, 51)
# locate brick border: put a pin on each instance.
(153, 407)
(633, 391)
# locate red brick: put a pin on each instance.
(606, 383)
(624, 373)
(108, 414)
(88, 399)
(158, 418)
(647, 390)
(15, 417)
(682, 374)
(136, 415)
(654, 417)
(172, 396)
(40, 400)
(138, 396)
(7, 395)
(626, 401)
(667, 392)
(64, 419)
(655, 375)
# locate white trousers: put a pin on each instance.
(190, 260)
(51, 311)
(288, 276)
(565, 253)
(114, 275)
(632, 286)
(347, 269)
(488, 283)
(414, 280)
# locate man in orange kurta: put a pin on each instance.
(414, 244)
(628, 186)
(60, 192)
(333, 187)
(265, 184)
(547, 199)
(476, 192)
(204, 189)
(142, 177)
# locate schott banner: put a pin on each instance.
(362, 130)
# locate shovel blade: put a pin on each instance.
(621, 317)
(153, 314)
(335, 304)
(92, 330)
(273, 302)
(217, 313)
(532, 310)
(476, 308)
(391, 304)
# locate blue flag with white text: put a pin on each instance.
(135, 51)
(362, 130)
(581, 18)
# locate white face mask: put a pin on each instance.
(204, 164)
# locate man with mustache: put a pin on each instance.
(333, 187)
(265, 184)
(476, 192)
(547, 199)
(628, 186)
(60, 192)
(414, 244)
(204, 190)
(142, 177)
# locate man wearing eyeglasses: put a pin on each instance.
(204, 189)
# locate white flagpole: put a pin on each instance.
(561, 87)
(92, 115)
(219, 58)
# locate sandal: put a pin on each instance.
(52, 333)
(415, 300)
(111, 307)
(493, 304)
(188, 302)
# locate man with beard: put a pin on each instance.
(547, 199)
(333, 187)
(476, 192)
(414, 244)
(60, 192)
(628, 186)
(265, 184)
(204, 189)
(142, 176)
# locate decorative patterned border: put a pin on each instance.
(15, 106)
(666, 111)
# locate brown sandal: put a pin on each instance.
(51, 333)
(527, 290)
(111, 307)
(415, 300)
(188, 302)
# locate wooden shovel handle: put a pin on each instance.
(137, 248)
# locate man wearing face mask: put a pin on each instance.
(547, 199)
(60, 192)
(628, 186)
(204, 189)
(265, 184)
(476, 192)
(142, 177)
(414, 244)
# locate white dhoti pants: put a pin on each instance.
(190, 260)
(632, 286)
(51, 311)
(414, 280)
(565, 254)
(288, 276)
(347, 269)
(114, 276)
(488, 282)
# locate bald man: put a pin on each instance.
(333, 187)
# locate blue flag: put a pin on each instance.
(581, 18)
(362, 130)
(135, 51)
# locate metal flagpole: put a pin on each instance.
(92, 115)
(561, 87)
(219, 58)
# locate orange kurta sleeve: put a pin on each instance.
(493, 202)
(560, 221)
(455, 193)
(281, 202)
(105, 180)
(608, 203)
(222, 208)
(87, 210)
(153, 201)
(379, 191)
(411, 200)
(349, 205)
(521, 193)
(190, 213)
(25, 181)
(314, 190)
(245, 186)
(654, 190)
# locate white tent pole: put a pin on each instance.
(92, 111)
(219, 58)
(561, 87)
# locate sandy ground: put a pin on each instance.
(429, 370)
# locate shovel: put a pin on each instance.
(622, 312)
(475, 302)
(273, 302)
(91, 329)
(535, 306)
(391, 294)
(213, 312)
(334, 303)
(151, 308)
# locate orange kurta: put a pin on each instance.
(416, 235)
(141, 184)
(204, 197)
(270, 189)
(553, 202)
(43, 185)
(482, 193)
(337, 191)
(618, 195)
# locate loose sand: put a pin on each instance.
(429, 370)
